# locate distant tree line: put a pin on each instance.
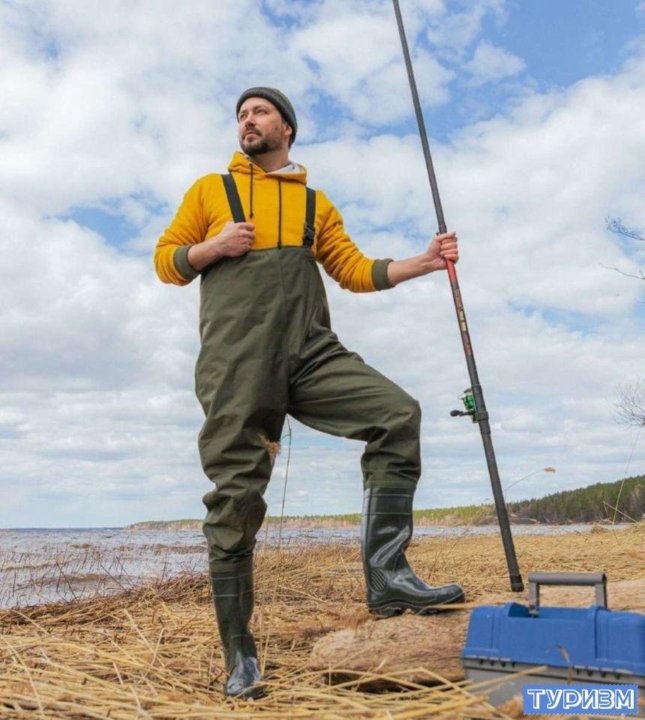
(620, 501)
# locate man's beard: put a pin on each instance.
(258, 145)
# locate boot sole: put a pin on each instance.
(255, 692)
(395, 608)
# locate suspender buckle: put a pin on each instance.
(308, 236)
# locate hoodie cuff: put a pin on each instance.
(183, 267)
(379, 274)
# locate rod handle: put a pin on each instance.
(452, 272)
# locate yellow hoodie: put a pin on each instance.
(276, 204)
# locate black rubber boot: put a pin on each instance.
(392, 586)
(233, 598)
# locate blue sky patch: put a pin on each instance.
(563, 42)
(569, 319)
(110, 222)
(114, 227)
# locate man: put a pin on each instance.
(267, 350)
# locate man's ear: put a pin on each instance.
(289, 134)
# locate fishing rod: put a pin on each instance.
(473, 398)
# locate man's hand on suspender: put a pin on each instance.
(235, 240)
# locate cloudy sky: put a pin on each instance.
(111, 109)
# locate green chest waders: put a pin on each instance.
(267, 349)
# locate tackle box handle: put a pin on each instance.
(596, 579)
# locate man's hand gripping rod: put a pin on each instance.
(476, 407)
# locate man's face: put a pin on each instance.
(261, 128)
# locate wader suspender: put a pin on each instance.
(233, 198)
(237, 212)
(310, 219)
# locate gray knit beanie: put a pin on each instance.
(279, 99)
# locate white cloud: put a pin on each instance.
(452, 33)
(129, 95)
(364, 39)
(490, 64)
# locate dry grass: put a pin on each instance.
(153, 652)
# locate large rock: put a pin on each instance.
(412, 647)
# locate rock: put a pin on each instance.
(412, 647)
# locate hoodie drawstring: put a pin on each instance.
(251, 194)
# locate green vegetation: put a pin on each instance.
(620, 501)
(166, 525)
(464, 515)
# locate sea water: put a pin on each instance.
(53, 565)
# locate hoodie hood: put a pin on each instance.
(244, 165)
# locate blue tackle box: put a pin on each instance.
(554, 645)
